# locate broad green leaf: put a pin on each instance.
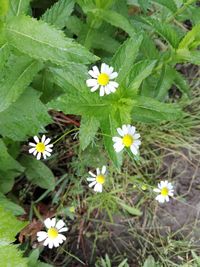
(188, 56)
(10, 256)
(191, 39)
(150, 262)
(9, 169)
(140, 71)
(149, 110)
(59, 13)
(181, 82)
(148, 48)
(4, 5)
(169, 4)
(4, 53)
(125, 56)
(9, 228)
(114, 19)
(88, 130)
(11, 206)
(30, 117)
(18, 75)
(129, 209)
(109, 126)
(41, 41)
(18, 7)
(38, 173)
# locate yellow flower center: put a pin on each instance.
(100, 179)
(40, 147)
(164, 191)
(127, 140)
(52, 233)
(103, 79)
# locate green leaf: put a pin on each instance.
(114, 19)
(38, 173)
(11, 206)
(188, 56)
(4, 5)
(18, 7)
(11, 256)
(9, 169)
(43, 42)
(181, 82)
(129, 209)
(191, 39)
(4, 53)
(169, 4)
(59, 13)
(19, 74)
(140, 71)
(150, 262)
(109, 126)
(9, 228)
(125, 56)
(88, 130)
(149, 110)
(30, 116)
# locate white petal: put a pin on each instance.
(112, 88)
(90, 179)
(91, 82)
(93, 89)
(49, 146)
(125, 129)
(98, 188)
(47, 223)
(36, 139)
(96, 71)
(103, 171)
(46, 153)
(98, 171)
(136, 136)
(118, 147)
(39, 156)
(167, 198)
(92, 184)
(115, 84)
(60, 224)
(64, 229)
(61, 238)
(93, 74)
(117, 139)
(55, 243)
(132, 130)
(113, 75)
(92, 174)
(160, 199)
(41, 236)
(120, 131)
(35, 153)
(156, 190)
(134, 150)
(102, 91)
(53, 222)
(46, 242)
(137, 143)
(110, 71)
(31, 150)
(32, 144)
(103, 68)
(47, 141)
(50, 243)
(107, 90)
(43, 138)
(171, 193)
(48, 149)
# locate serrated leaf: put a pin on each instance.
(9, 169)
(30, 117)
(11, 256)
(191, 39)
(9, 227)
(149, 110)
(88, 130)
(109, 126)
(38, 173)
(185, 55)
(18, 7)
(114, 19)
(169, 4)
(140, 71)
(181, 82)
(125, 56)
(59, 13)
(4, 53)
(10, 206)
(19, 74)
(43, 42)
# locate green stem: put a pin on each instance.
(181, 10)
(73, 256)
(68, 132)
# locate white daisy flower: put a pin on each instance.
(166, 190)
(97, 180)
(129, 138)
(41, 148)
(102, 79)
(52, 237)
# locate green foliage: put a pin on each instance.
(11, 256)
(9, 205)
(18, 7)
(38, 173)
(33, 260)
(150, 262)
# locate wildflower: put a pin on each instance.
(166, 190)
(130, 139)
(52, 238)
(102, 79)
(41, 148)
(97, 180)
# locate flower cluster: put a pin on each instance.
(129, 139)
